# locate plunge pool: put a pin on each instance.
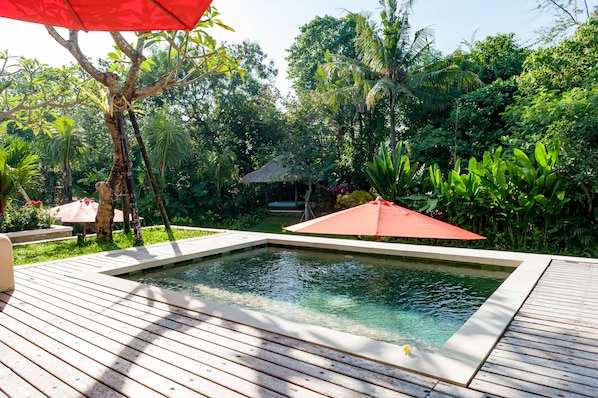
(391, 299)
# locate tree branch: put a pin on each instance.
(72, 45)
(124, 46)
(559, 6)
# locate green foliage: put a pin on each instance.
(18, 168)
(249, 220)
(515, 201)
(497, 57)
(319, 36)
(352, 199)
(558, 99)
(168, 140)
(390, 64)
(30, 92)
(23, 218)
(571, 63)
(392, 176)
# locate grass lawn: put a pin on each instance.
(38, 252)
(273, 223)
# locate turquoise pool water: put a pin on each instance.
(394, 300)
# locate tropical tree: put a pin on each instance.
(392, 65)
(568, 15)
(18, 168)
(310, 150)
(320, 36)
(66, 147)
(196, 50)
(29, 91)
(557, 98)
(167, 139)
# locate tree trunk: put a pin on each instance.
(126, 206)
(393, 131)
(120, 123)
(308, 214)
(107, 189)
(150, 172)
(68, 179)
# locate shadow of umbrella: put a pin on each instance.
(382, 218)
(82, 211)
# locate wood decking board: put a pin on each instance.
(221, 347)
(66, 337)
(135, 352)
(270, 342)
(550, 349)
(65, 289)
(148, 337)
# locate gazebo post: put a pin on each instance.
(7, 274)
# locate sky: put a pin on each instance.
(274, 24)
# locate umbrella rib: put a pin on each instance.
(170, 14)
(75, 15)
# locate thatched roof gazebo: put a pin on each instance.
(275, 171)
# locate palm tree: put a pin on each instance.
(391, 65)
(66, 147)
(18, 168)
(168, 141)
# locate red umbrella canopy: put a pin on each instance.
(108, 15)
(382, 218)
(83, 211)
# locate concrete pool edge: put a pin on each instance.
(457, 361)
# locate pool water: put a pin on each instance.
(387, 299)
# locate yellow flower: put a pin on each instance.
(407, 349)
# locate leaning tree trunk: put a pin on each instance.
(128, 168)
(150, 172)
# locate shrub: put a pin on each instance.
(28, 217)
(355, 198)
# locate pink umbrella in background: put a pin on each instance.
(82, 211)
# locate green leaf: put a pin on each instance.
(540, 154)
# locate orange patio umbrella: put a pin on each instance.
(382, 218)
(82, 211)
(108, 15)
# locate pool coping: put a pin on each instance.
(457, 361)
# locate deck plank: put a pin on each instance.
(265, 361)
(65, 337)
(128, 363)
(520, 385)
(170, 339)
(551, 347)
(11, 383)
(272, 345)
(51, 375)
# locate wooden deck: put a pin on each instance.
(551, 347)
(63, 336)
